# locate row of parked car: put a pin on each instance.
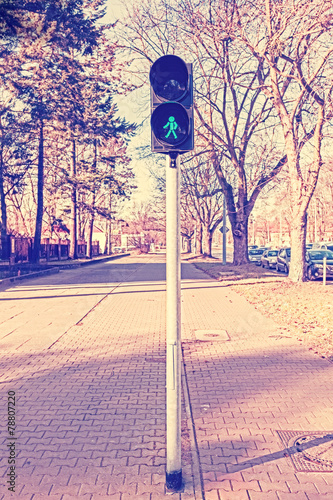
(279, 259)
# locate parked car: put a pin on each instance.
(268, 258)
(255, 255)
(323, 246)
(251, 247)
(315, 263)
(283, 260)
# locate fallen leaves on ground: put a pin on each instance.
(304, 310)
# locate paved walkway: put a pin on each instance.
(84, 351)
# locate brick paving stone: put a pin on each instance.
(322, 488)
(150, 488)
(157, 478)
(141, 496)
(212, 495)
(319, 496)
(62, 479)
(295, 486)
(65, 490)
(232, 495)
(44, 489)
(277, 486)
(245, 485)
(71, 497)
(225, 485)
(116, 496)
(259, 495)
(292, 496)
(117, 481)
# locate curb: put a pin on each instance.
(35, 274)
(74, 265)
(57, 268)
(196, 469)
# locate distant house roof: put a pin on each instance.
(97, 230)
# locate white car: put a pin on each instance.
(255, 255)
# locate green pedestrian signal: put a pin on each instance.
(172, 127)
(171, 90)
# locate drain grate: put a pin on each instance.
(309, 451)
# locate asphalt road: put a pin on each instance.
(36, 312)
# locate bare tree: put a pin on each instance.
(201, 199)
(232, 112)
(148, 221)
(292, 43)
(320, 210)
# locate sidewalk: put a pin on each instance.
(91, 399)
(254, 392)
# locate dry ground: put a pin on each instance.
(306, 309)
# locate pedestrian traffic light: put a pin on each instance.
(171, 97)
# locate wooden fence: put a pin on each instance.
(19, 249)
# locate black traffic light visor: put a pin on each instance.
(169, 78)
(170, 124)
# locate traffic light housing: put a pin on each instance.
(171, 99)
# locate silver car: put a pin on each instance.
(283, 260)
(268, 258)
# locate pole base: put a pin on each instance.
(174, 481)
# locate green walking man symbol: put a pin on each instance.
(173, 126)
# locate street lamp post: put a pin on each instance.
(224, 234)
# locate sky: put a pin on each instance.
(114, 9)
(128, 110)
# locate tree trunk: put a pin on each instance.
(199, 239)
(106, 233)
(92, 216)
(91, 230)
(110, 224)
(298, 239)
(239, 227)
(300, 196)
(40, 196)
(73, 216)
(207, 240)
(189, 244)
(3, 224)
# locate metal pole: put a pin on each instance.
(173, 324)
(324, 270)
(280, 235)
(315, 219)
(195, 239)
(224, 257)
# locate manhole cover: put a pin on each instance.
(309, 451)
(317, 449)
(209, 335)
